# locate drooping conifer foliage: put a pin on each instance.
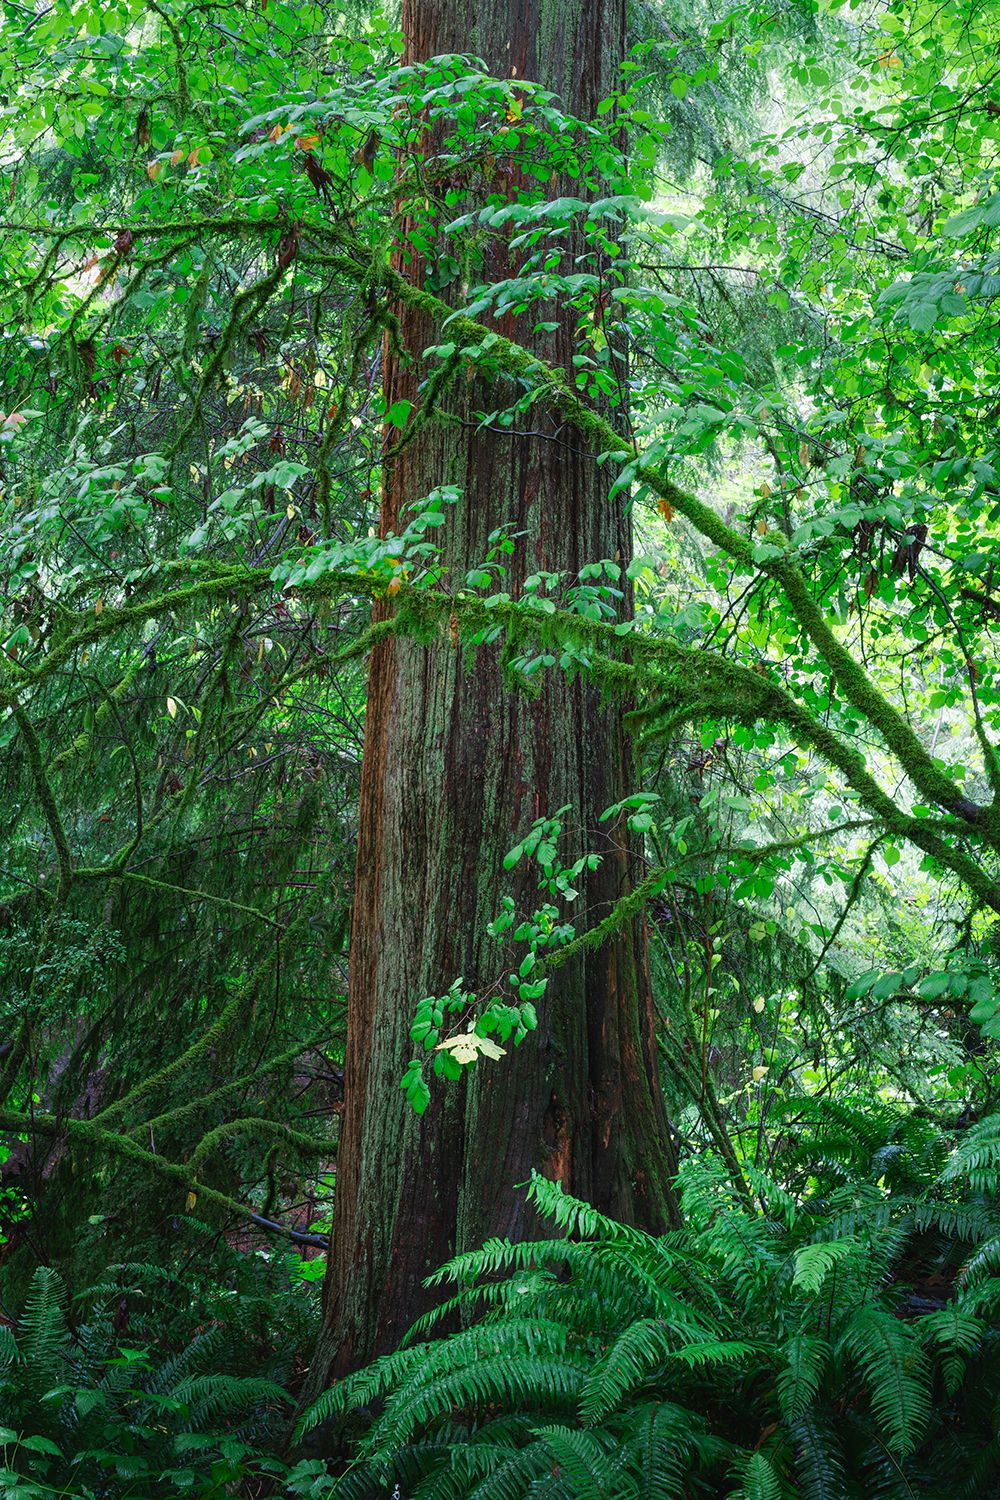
(500, 747)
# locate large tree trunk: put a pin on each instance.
(456, 768)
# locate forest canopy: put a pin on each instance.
(500, 743)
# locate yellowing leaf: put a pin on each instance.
(393, 585)
(666, 509)
(153, 169)
(490, 1049)
(177, 157)
(190, 1201)
(307, 142)
(99, 607)
(469, 1045)
(758, 1073)
(172, 708)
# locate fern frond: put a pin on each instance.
(760, 1482)
(956, 1221)
(45, 1337)
(981, 1472)
(979, 1296)
(896, 1375)
(514, 1475)
(807, 1357)
(484, 1295)
(773, 1195)
(201, 1351)
(360, 1389)
(637, 1352)
(976, 1157)
(952, 1327)
(572, 1215)
(982, 1263)
(737, 1309)
(813, 1263)
(593, 1473)
(668, 1442)
(714, 1352)
(819, 1465)
(537, 1382)
(364, 1481)
(209, 1397)
(10, 1354)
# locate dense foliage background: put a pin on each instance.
(754, 294)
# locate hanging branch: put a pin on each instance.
(45, 795)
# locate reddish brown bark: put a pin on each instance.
(456, 768)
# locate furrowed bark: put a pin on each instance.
(456, 768)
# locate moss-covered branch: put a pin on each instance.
(43, 790)
(97, 1136)
(679, 684)
(306, 1146)
(181, 1115)
(114, 872)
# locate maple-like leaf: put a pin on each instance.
(469, 1045)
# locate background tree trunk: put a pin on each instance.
(456, 768)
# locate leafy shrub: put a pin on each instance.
(83, 1415)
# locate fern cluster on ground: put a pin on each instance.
(831, 1332)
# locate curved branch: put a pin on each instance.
(89, 1132)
